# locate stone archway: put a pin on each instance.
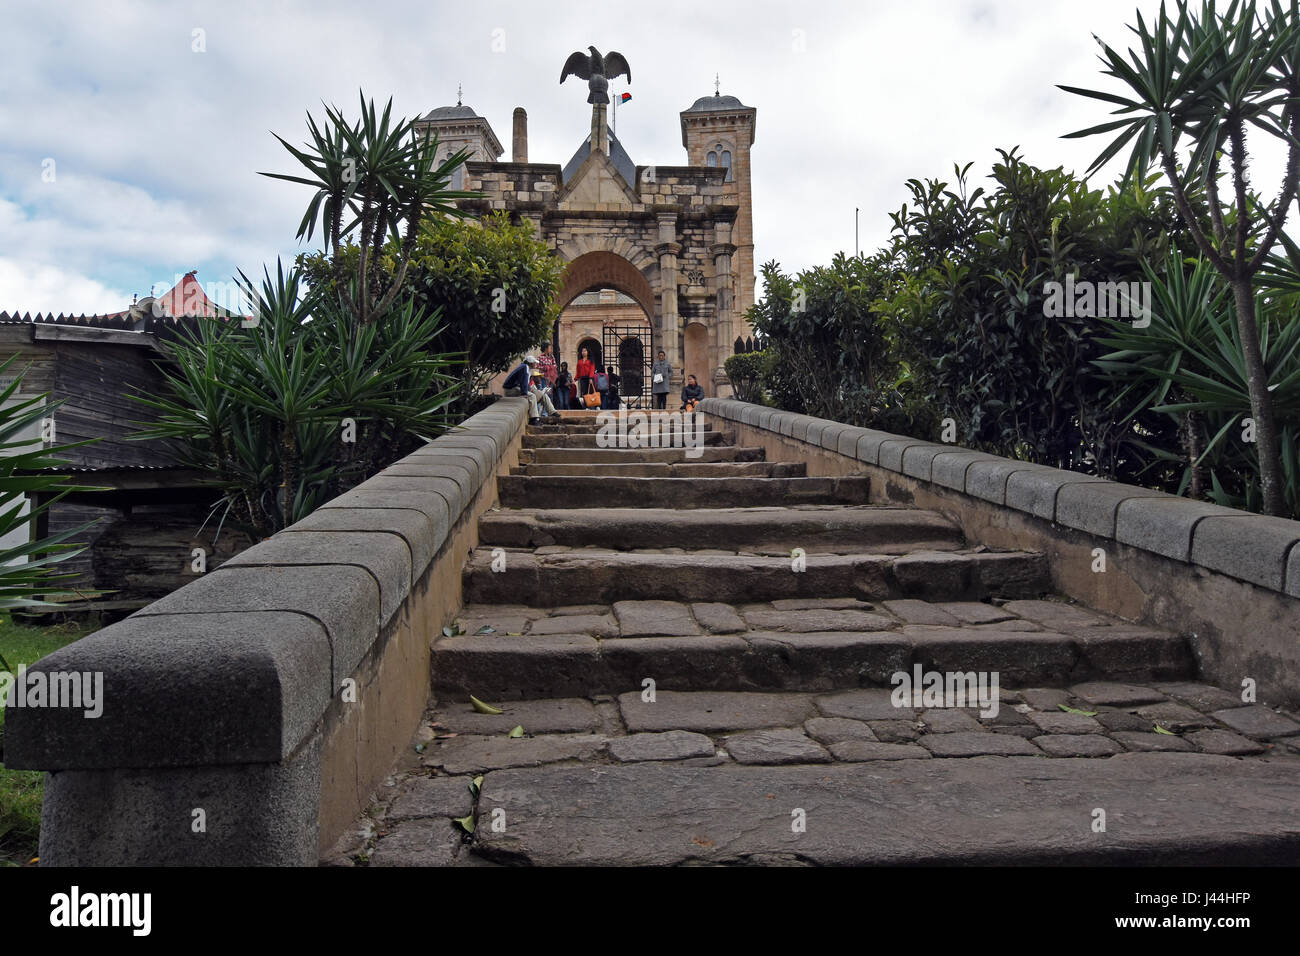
(606, 270)
(696, 356)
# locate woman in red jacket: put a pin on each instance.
(586, 374)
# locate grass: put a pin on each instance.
(21, 790)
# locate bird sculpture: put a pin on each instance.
(597, 71)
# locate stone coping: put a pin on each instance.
(1253, 548)
(239, 666)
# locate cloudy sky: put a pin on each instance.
(131, 132)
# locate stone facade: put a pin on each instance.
(677, 240)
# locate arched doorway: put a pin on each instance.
(633, 366)
(605, 302)
(593, 352)
(696, 357)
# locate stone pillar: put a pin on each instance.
(599, 131)
(723, 335)
(668, 323)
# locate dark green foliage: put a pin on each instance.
(457, 266)
(745, 373)
(30, 568)
(292, 411)
(950, 320)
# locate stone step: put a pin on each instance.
(614, 456)
(592, 439)
(778, 530)
(684, 469)
(522, 491)
(982, 811)
(590, 575)
(664, 420)
(719, 777)
(756, 648)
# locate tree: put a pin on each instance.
(494, 282)
(383, 175)
(1196, 84)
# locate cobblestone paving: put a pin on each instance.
(796, 615)
(411, 822)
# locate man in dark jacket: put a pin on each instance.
(520, 382)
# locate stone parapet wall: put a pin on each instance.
(247, 716)
(1228, 579)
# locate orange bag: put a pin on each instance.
(592, 398)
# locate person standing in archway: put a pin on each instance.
(546, 364)
(586, 373)
(661, 375)
(563, 382)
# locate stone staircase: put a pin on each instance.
(698, 645)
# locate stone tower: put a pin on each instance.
(718, 130)
(459, 127)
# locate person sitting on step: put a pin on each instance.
(519, 382)
(691, 394)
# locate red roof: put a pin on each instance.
(185, 299)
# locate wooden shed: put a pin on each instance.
(148, 513)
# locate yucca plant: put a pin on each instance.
(302, 404)
(30, 569)
(1188, 363)
(379, 178)
(1195, 85)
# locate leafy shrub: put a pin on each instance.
(745, 373)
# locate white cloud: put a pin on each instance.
(27, 287)
(158, 147)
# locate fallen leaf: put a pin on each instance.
(465, 823)
(486, 629)
(483, 708)
(1168, 733)
(444, 736)
(1072, 710)
(476, 785)
(516, 732)
(419, 748)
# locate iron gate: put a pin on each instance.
(628, 349)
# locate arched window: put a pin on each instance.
(720, 156)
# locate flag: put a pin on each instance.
(625, 97)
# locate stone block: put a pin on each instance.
(987, 480)
(918, 460)
(1250, 548)
(342, 598)
(432, 507)
(948, 468)
(411, 527)
(1034, 490)
(713, 711)
(891, 452)
(384, 556)
(189, 689)
(830, 436)
(1164, 525)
